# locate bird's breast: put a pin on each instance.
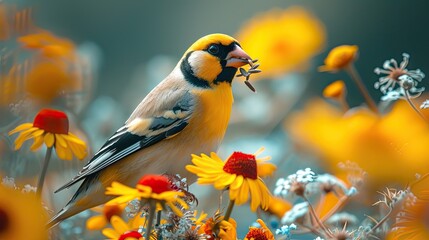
(212, 112)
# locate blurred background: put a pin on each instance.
(122, 49)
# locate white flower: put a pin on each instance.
(407, 80)
(393, 71)
(325, 183)
(294, 183)
(297, 212)
(286, 230)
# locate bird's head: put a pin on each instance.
(212, 60)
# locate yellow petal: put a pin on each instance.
(237, 183)
(23, 136)
(243, 194)
(224, 181)
(119, 225)
(96, 222)
(120, 189)
(79, 152)
(60, 140)
(255, 195)
(110, 233)
(21, 127)
(266, 169)
(49, 139)
(61, 152)
(73, 138)
(38, 141)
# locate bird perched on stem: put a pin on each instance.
(188, 112)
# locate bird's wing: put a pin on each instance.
(142, 131)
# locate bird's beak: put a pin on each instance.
(237, 58)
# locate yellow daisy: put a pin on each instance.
(150, 188)
(239, 174)
(106, 213)
(21, 216)
(262, 233)
(51, 127)
(121, 230)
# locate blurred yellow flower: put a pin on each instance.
(390, 148)
(51, 127)
(121, 230)
(55, 67)
(155, 188)
(48, 44)
(282, 40)
(107, 211)
(259, 233)
(340, 57)
(278, 206)
(47, 80)
(21, 216)
(239, 174)
(335, 90)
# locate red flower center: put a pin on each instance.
(130, 234)
(111, 210)
(242, 164)
(52, 121)
(256, 234)
(158, 183)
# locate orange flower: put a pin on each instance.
(48, 44)
(283, 40)
(339, 58)
(52, 128)
(47, 80)
(420, 188)
(227, 229)
(335, 90)
(262, 233)
(55, 67)
(412, 222)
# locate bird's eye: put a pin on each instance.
(213, 49)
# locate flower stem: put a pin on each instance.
(354, 75)
(44, 170)
(229, 210)
(314, 214)
(152, 208)
(407, 97)
(380, 222)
